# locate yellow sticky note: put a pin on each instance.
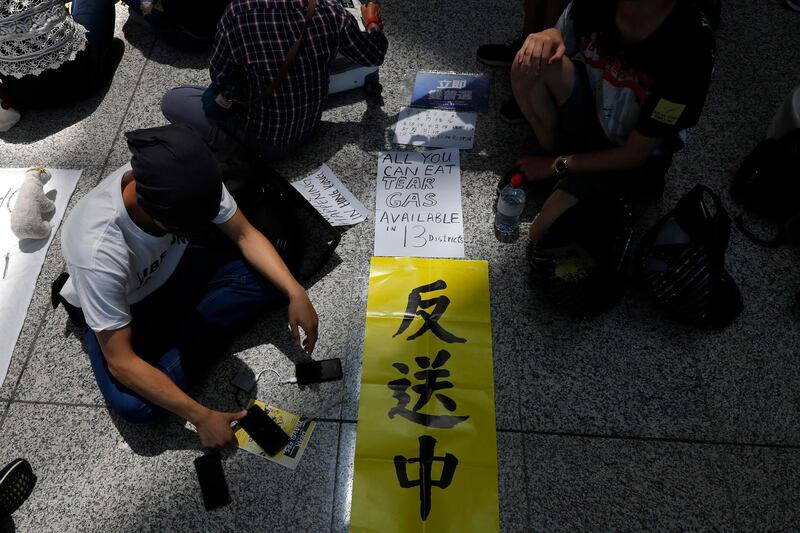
(668, 112)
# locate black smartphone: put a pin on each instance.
(264, 430)
(212, 481)
(318, 371)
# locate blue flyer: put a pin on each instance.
(462, 92)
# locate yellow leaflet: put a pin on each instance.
(668, 112)
(450, 350)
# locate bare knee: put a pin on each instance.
(555, 206)
(555, 83)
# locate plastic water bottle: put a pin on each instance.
(510, 205)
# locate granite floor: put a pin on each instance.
(628, 422)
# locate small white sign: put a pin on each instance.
(436, 128)
(331, 198)
(418, 204)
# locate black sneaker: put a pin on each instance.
(16, 484)
(500, 55)
(510, 113)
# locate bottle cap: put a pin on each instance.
(517, 180)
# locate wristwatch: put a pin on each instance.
(561, 166)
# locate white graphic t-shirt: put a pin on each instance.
(112, 263)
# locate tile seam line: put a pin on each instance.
(31, 346)
(130, 101)
(336, 477)
(645, 438)
(60, 404)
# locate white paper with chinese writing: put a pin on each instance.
(435, 128)
(21, 261)
(331, 198)
(418, 204)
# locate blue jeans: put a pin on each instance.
(97, 16)
(183, 105)
(183, 324)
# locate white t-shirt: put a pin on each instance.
(112, 263)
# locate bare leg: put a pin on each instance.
(539, 96)
(555, 206)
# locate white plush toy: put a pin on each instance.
(27, 218)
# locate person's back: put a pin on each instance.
(252, 42)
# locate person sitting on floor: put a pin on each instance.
(253, 40)
(154, 307)
(541, 14)
(609, 93)
(49, 58)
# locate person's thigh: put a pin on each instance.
(579, 123)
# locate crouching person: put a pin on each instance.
(154, 306)
(609, 93)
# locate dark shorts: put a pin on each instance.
(580, 131)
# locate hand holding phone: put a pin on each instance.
(318, 371)
(264, 430)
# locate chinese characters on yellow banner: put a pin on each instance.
(426, 453)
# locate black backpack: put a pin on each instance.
(768, 184)
(300, 234)
(581, 263)
(681, 261)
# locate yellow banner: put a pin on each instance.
(426, 452)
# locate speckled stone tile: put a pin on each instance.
(167, 67)
(99, 474)
(40, 307)
(88, 478)
(764, 484)
(82, 133)
(267, 497)
(512, 481)
(608, 484)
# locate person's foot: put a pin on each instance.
(510, 113)
(500, 55)
(16, 484)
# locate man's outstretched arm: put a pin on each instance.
(213, 427)
(260, 253)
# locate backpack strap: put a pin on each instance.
(287, 63)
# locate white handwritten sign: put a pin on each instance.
(435, 127)
(331, 198)
(418, 204)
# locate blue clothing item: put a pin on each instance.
(97, 16)
(184, 324)
(221, 129)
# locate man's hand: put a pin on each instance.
(539, 50)
(302, 313)
(214, 428)
(536, 167)
(370, 11)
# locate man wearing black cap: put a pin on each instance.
(154, 306)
